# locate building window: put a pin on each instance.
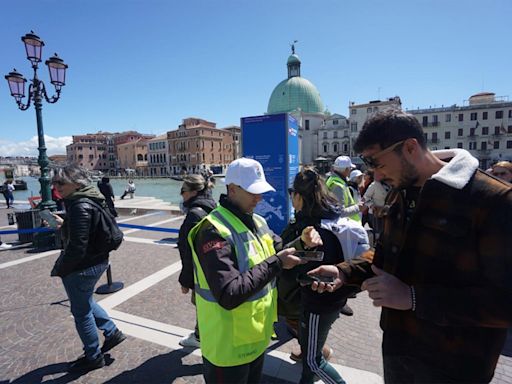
(335, 122)
(496, 130)
(509, 129)
(306, 122)
(447, 135)
(460, 132)
(473, 116)
(509, 144)
(484, 115)
(496, 145)
(461, 117)
(499, 114)
(425, 121)
(353, 127)
(483, 145)
(471, 131)
(510, 113)
(448, 117)
(325, 135)
(335, 135)
(434, 137)
(353, 111)
(335, 148)
(326, 147)
(472, 145)
(485, 130)
(459, 145)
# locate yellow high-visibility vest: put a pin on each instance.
(238, 336)
(348, 200)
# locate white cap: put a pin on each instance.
(355, 174)
(248, 174)
(343, 162)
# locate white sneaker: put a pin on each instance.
(5, 246)
(190, 341)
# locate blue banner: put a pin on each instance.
(273, 141)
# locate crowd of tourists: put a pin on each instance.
(425, 233)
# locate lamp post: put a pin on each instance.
(34, 47)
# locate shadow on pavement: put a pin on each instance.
(163, 368)
(38, 375)
(507, 348)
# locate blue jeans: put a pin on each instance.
(88, 314)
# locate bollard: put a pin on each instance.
(10, 218)
(110, 287)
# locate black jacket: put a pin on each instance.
(81, 250)
(198, 207)
(106, 189)
(333, 254)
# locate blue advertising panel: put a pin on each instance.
(273, 141)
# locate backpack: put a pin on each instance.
(108, 236)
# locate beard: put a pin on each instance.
(408, 177)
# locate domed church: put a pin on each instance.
(300, 97)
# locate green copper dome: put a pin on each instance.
(295, 92)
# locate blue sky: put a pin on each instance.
(146, 65)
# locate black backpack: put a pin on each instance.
(108, 236)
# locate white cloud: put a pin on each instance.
(54, 146)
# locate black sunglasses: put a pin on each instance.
(370, 161)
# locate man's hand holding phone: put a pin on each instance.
(325, 272)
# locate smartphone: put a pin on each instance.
(306, 279)
(310, 255)
(49, 218)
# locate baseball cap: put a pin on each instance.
(355, 174)
(343, 162)
(248, 174)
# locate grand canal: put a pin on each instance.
(166, 189)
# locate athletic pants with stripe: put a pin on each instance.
(313, 332)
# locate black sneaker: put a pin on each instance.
(347, 311)
(117, 338)
(82, 364)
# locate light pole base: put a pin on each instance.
(105, 289)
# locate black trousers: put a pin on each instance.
(246, 373)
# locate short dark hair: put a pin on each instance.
(387, 128)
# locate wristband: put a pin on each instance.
(413, 298)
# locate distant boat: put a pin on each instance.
(20, 185)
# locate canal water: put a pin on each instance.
(165, 189)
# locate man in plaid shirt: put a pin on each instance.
(442, 270)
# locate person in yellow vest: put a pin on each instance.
(338, 184)
(235, 266)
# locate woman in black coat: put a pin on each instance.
(197, 202)
(314, 205)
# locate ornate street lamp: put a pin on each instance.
(34, 47)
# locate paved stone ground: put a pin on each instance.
(37, 334)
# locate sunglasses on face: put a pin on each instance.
(371, 161)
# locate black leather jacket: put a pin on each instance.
(81, 251)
